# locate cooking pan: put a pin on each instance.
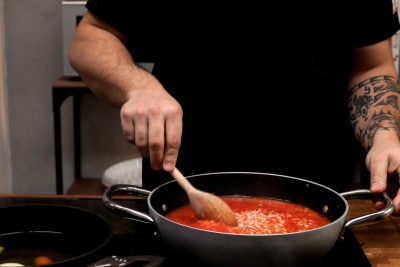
(68, 236)
(225, 249)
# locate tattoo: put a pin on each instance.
(374, 105)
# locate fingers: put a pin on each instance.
(378, 172)
(378, 178)
(383, 178)
(396, 202)
(395, 189)
(156, 131)
(128, 127)
(134, 124)
(156, 140)
(173, 134)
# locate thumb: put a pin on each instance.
(378, 178)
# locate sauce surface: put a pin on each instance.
(256, 216)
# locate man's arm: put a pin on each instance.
(150, 117)
(374, 104)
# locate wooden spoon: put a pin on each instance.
(206, 206)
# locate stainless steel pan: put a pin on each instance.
(230, 250)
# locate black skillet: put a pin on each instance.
(69, 236)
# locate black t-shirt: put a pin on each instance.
(262, 84)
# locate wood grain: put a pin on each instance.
(380, 240)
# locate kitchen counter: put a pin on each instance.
(379, 240)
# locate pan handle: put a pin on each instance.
(124, 211)
(366, 193)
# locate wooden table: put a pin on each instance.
(380, 240)
(63, 88)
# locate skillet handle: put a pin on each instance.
(366, 193)
(122, 210)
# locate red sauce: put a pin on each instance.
(256, 216)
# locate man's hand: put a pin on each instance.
(152, 120)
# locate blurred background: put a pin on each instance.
(34, 38)
(31, 60)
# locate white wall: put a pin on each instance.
(5, 155)
(33, 61)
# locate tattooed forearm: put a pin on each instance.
(374, 105)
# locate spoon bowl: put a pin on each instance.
(206, 206)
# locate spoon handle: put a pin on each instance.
(182, 181)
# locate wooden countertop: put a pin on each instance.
(69, 81)
(380, 240)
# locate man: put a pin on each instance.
(248, 86)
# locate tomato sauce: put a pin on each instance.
(256, 216)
